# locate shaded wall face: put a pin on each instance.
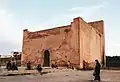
(91, 45)
(95, 47)
(58, 41)
(99, 25)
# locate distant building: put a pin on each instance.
(113, 61)
(80, 43)
(17, 57)
(5, 58)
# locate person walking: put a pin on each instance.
(39, 68)
(97, 71)
(8, 65)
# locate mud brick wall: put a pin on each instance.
(99, 28)
(80, 43)
(92, 42)
(61, 43)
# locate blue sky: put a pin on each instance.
(16, 15)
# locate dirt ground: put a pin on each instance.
(70, 76)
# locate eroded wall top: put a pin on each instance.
(99, 25)
(48, 32)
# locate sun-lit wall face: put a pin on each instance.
(60, 41)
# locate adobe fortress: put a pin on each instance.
(80, 43)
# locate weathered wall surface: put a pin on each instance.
(84, 43)
(99, 25)
(75, 41)
(99, 28)
(61, 43)
(91, 43)
(95, 46)
(80, 43)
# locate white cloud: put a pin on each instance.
(116, 45)
(87, 13)
(9, 29)
(10, 26)
(55, 21)
(85, 8)
(3, 4)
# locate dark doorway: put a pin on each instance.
(46, 58)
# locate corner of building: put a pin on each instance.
(75, 27)
(25, 35)
(99, 25)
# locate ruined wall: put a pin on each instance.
(95, 47)
(74, 42)
(91, 43)
(84, 43)
(60, 41)
(80, 43)
(99, 26)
